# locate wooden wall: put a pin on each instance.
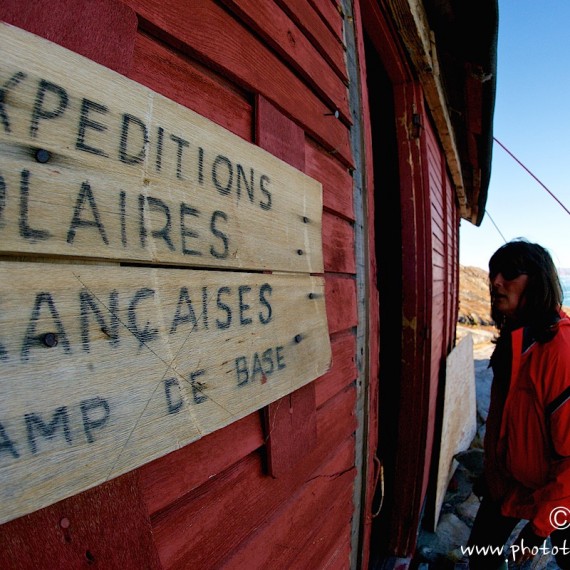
(275, 489)
(276, 486)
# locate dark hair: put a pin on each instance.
(543, 293)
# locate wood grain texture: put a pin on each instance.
(104, 31)
(134, 176)
(106, 527)
(185, 81)
(133, 363)
(224, 512)
(281, 33)
(459, 422)
(196, 28)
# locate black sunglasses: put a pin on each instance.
(509, 272)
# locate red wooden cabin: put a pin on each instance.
(389, 106)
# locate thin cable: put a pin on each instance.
(515, 158)
(496, 226)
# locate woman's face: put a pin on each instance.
(507, 294)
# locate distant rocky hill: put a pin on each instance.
(474, 302)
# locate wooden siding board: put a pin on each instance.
(160, 68)
(103, 31)
(289, 531)
(283, 35)
(331, 545)
(335, 178)
(340, 295)
(167, 480)
(215, 519)
(332, 15)
(338, 245)
(197, 28)
(106, 526)
(320, 35)
(343, 369)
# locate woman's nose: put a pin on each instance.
(497, 280)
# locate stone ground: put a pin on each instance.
(441, 550)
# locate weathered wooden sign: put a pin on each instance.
(104, 367)
(103, 371)
(96, 165)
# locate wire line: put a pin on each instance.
(521, 164)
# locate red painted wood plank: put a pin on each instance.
(168, 479)
(318, 33)
(103, 31)
(197, 27)
(279, 32)
(333, 535)
(214, 520)
(106, 527)
(292, 418)
(332, 15)
(289, 421)
(335, 178)
(340, 295)
(338, 244)
(278, 134)
(343, 370)
(165, 71)
(291, 530)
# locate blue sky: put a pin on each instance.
(532, 119)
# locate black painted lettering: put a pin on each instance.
(249, 186)
(200, 165)
(6, 444)
(158, 205)
(85, 194)
(89, 304)
(148, 334)
(143, 232)
(126, 136)
(223, 181)
(36, 425)
(3, 200)
(197, 387)
(279, 357)
(40, 112)
(26, 231)
(256, 369)
(218, 214)
(32, 336)
(264, 291)
(18, 77)
(205, 306)
(242, 373)
(173, 406)
(243, 306)
(263, 184)
(184, 311)
(186, 210)
(159, 143)
(85, 122)
(95, 413)
(224, 307)
(267, 359)
(181, 144)
(123, 207)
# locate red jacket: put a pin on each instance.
(527, 441)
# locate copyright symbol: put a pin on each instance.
(560, 517)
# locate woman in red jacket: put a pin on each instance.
(527, 440)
